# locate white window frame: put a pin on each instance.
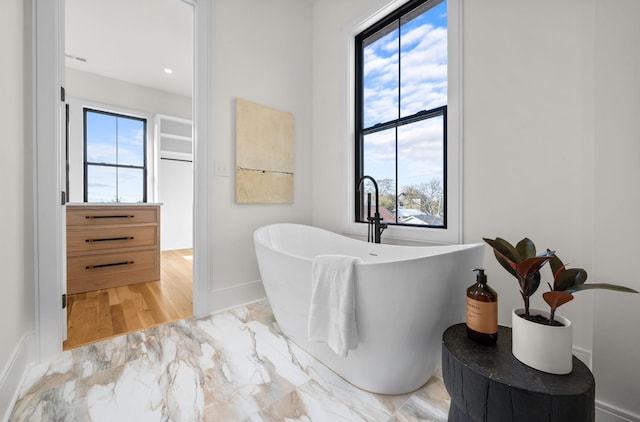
(453, 233)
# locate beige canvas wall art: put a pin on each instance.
(264, 154)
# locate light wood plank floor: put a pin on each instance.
(101, 314)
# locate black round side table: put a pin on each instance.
(487, 383)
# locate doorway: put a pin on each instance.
(128, 97)
(50, 280)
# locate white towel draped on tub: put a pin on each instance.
(332, 316)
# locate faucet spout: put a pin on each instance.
(378, 226)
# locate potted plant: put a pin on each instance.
(540, 339)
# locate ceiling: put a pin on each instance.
(133, 41)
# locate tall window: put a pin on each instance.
(115, 164)
(401, 114)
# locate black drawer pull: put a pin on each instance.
(93, 217)
(108, 239)
(91, 267)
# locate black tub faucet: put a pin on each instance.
(374, 222)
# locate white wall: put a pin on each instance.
(333, 23)
(176, 195)
(17, 312)
(105, 90)
(616, 334)
(535, 163)
(528, 141)
(260, 52)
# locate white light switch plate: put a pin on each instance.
(220, 168)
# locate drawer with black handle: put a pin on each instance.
(112, 245)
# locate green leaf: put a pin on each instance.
(568, 279)
(505, 254)
(506, 264)
(505, 248)
(533, 282)
(555, 263)
(526, 248)
(605, 286)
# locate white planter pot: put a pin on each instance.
(542, 347)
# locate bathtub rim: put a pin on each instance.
(445, 249)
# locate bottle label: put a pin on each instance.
(482, 316)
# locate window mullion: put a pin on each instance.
(396, 176)
(421, 115)
(399, 113)
(399, 67)
(117, 165)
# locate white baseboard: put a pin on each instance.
(231, 297)
(606, 413)
(13, 373)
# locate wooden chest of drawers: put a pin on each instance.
(112, 245)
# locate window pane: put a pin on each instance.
(421, 172)
(130, 141)
(101, 138)
(380, 76)
(101, 184)
(380, 163)
(423, 71)
(130, 185)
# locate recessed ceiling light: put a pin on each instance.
(168, 71)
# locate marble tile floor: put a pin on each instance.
(230, 366)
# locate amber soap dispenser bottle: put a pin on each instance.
(482, 311)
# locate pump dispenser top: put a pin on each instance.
(482, 310)
(480, 276)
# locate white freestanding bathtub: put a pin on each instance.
(406, 296)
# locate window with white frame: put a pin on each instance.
(401, 100)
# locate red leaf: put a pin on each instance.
(531, 265)
(555, 298)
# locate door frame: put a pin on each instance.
(49, 231)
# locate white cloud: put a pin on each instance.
(420, 151)
(131, 148)
(415, 35)
(101, 152)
